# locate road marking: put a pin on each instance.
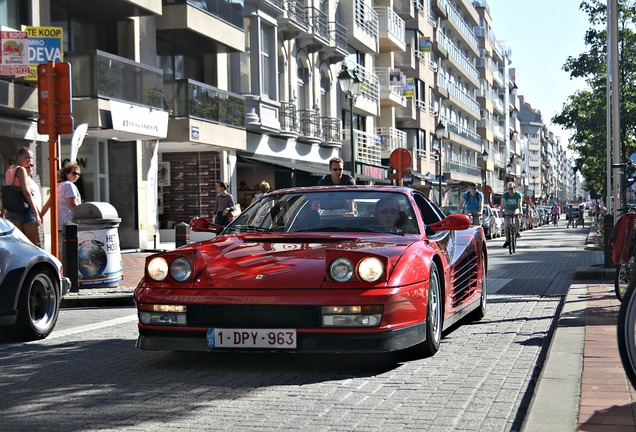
(89, 327)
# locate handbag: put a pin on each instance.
(13, 199)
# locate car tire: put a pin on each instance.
(38, 306)
(434, 314)
(480, 312)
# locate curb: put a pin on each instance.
(112, 300)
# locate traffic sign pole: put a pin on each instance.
(54, 106)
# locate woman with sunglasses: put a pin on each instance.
(68, 197)
(511, 207)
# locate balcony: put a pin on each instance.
(469, 136)
(202, 113)
(392, 30)
(288, 120)
(362, 22)
(274, 7)
(318, 36)
(462, 171)
(18, 99)
(295, 22)
(310, 127)
(215, 27)
(105, 85)
(114, 10)
(369, 98)
(338, 48)
(390, 95)
(331, 132)
(390, 139)
(439, 7)
(405, 60)
(462, 28)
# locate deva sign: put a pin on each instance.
(45, 45)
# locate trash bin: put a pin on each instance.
(98, 253)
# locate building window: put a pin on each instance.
(303, 87)
(13, 13)
(268, 60)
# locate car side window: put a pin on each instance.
(429, 213)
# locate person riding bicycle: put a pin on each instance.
(511, 206)
(474, 201)
(555, 211)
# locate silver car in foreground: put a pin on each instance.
(31, 286)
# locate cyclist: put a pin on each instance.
(474, 201)
(555, 211)
(511, 206)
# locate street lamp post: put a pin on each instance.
(350, 85)
(508, 171)
(534, 187)
(484, 157)
(524, 175)
(439, 132)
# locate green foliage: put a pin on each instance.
(585, 112)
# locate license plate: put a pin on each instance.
(252, 338)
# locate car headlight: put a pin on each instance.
(180, 269)
(341, 270)
(370, 269)
(157, 269)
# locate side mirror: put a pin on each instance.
(454, 222)
(201, 224)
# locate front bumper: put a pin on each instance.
(65, 285)
(351, 343)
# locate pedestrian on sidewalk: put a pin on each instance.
(568, 216)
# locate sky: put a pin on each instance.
(542, 34)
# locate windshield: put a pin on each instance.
(335, 211)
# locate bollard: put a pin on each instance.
(608, 226)
(69, 254)
(182, 234)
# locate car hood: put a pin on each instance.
(287, 261)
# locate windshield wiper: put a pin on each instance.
(250, 228)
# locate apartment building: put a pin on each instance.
(151, 79)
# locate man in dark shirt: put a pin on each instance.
(336, 178)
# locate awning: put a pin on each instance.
(312, 168)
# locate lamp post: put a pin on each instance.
(534, 187)
(484, 157)
(350, 85)
(524, 175)
(508, 170)
(439, 133)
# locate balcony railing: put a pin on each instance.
(230, 11)
(454, 52)
(296, 12)
(99, 74)
(189, 98)
(338, 34)
(370, 86)
(462, 168)
(391, 138)
(366, 18)
(309, 121)
(288, 118)
(463, 97)
(459, 21)
(391, 22)
(463, 132)
(319, 23)
(331, 131)
(368, 147)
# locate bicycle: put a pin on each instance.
(626, 334)
(623, 242)
(512, 233)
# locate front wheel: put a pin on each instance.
(38, 306)
(623, 277)
(434, 307)
(625, 330)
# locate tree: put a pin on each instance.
(585, 112)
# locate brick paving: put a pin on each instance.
(608, 400)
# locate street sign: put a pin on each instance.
(54, 93)
(400, 161)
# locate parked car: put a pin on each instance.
(450, 209)
(547, 214)
(287, 274)
(543, 216)
(499, 222)
(31, 286)
(488, 222)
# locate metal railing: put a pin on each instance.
(319, 23)
(463, 132)
(390, 138)
(459, 21)
(338, 34)
(331, 130)
(366, 18)
(391, 22)
(288, 118)
(309, 122)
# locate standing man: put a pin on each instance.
(474, 201)
(336, 178)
